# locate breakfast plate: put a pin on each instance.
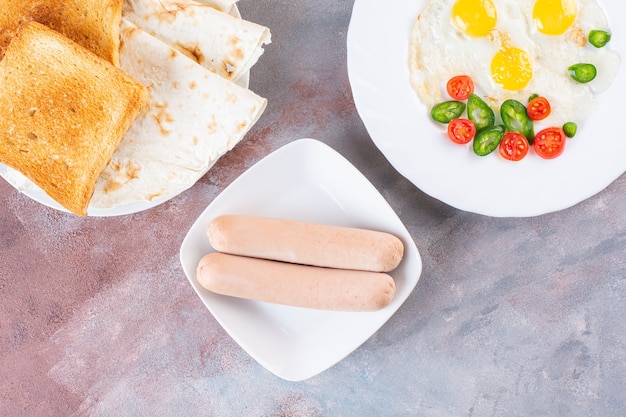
(400, 126)
(28, 188)
(304, 180)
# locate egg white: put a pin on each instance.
(439, 51)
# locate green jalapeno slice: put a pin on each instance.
(447, 111)
(570, 129)
(582, 73)
(599, 38)
(479, 112)
(515, 119)
(488, 139)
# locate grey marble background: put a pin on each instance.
(511, 317)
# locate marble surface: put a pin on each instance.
(511, 316)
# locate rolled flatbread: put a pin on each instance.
(222, 43)
(193, 118)
(222, 5)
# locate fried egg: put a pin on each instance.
(512, 49)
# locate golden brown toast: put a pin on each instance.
(63, 112)
(95, 24)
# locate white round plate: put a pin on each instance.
(26, 187)
(400, 126)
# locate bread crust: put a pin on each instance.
(94, 24)
(64, 112)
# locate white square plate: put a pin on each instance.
(304, 180)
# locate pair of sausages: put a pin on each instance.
(300, 264)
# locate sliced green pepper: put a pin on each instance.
(447, 111)
(516, 119)
(599, 38)
(582, 73)
(532, 97)
(488, 139)
(479, 112)
(570, 129)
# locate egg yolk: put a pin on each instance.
(474, 17)
(511, 68)
(554, 17)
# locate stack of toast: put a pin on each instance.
(94, 24)
(65, 108)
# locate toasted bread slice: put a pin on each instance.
(95, 24)
(64, 112)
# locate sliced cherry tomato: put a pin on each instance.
(550, 143)
(460, 87)
(461, 130)
(514, 146)
(538, 108)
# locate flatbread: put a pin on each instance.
(194, 117)
(224, 44)
(221, 5)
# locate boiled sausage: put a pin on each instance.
(295, 285)
(306, 243)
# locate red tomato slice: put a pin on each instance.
(538, 108)
(461, 130)
(460, 87)
(514, 146)
(550, 143)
